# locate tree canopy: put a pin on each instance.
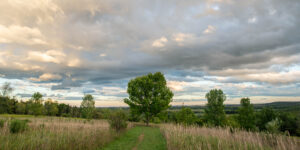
(87, 106)
(148, 95)
(214, 112)
(246, 115)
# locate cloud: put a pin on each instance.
(197, 44)
(49, 56)
(209, 29)
(21, 35)
(160, 42)
(176, 85)
(47, 77)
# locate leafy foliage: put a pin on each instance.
(246, 115)
(17, 126)
(2, 123)
(264, 116)
(117, 120)
(87, 106)
(148, 95)
(289, 122)
(214, 113)
(51, 108)
(36, 104)
(186, 116)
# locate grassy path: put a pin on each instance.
(139, 138)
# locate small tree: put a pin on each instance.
(214, 113)
(148, 95)
(87, 106)
(186, 116)
(36, 102)
(246, 115)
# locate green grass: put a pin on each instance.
(152, 139)
(17, 116)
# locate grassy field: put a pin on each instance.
(52, 133)
(139, 138)
(195, 138)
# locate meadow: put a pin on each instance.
(53, 133)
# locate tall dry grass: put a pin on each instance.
(52, 133)
(196, 138)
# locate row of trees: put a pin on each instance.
(36, 105)
(149, 98)
(246, 118)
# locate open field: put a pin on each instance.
(194, 138)
(51, 133)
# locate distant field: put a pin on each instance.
(292, 107)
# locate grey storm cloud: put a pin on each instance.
(74, 42)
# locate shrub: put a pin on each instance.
(17, 126)
(186, 116)
(117, 120)
(2, 123)
(273, 126)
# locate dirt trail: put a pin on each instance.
(141, 137)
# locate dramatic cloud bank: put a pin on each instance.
(68, 48)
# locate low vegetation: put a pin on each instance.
(139, 138)
(117, 120)
(52, 133)
(195, 138)
(16, 125)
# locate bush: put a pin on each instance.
(2, 123)
(17, 126)
(186, 116)
(117, 120)
(273, 126)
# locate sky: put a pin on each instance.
(67, 48)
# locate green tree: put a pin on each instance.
(64, 110)
(214, 113)
(186, 116)
(289, 122)
(21, 108)
(87, 106)
(264, 116)
(36, 104)
(148, 95)
(51, 107)
(246, 115)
